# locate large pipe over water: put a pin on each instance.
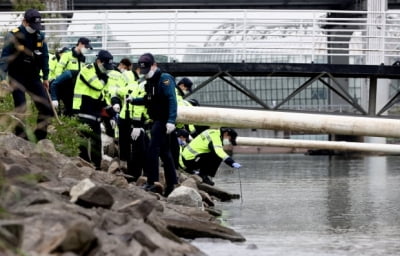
(301, 122)
(310, 144)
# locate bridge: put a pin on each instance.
(328, 59)
(5, 5)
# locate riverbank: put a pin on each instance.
(56, 205)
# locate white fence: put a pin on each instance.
(227, 35)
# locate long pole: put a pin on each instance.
(313, 144)
(302, 122)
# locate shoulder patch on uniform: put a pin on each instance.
(15, 30)
(166, 82)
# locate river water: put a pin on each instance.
(294, 204)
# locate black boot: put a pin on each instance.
(207, 180)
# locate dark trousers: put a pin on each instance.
(35, 88)
(175, 148)
(64, 89)
(207, 164)
(159, 147)
(91, 149)
(134, 152)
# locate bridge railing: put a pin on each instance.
(227, 35)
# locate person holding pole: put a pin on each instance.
(23, 56)
(205, 153)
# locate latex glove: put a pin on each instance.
(236, 165)
(170, 127)
(136, 133)
(113, 123)
(117, 108)
(55, 103)
(129, 99)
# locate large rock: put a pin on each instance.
(186, 196)
(96, 197)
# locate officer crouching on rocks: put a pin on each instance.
(205, 153)
(89, 103)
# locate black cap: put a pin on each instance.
(231, 133)
(187, 82)
(145, 62)
(106, 58)
(126, 61)
(63, 49)
(34, 19)
(86, 42)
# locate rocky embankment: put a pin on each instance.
(51, 204)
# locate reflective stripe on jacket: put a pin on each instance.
(207, 141)
(87, 84)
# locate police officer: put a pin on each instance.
(205, 153)
(133, 140)
(24, 55)
(161, 105)
(184, 87)
(53, 61)
(67, 69)
(89, 103)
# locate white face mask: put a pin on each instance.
(226, 142)
(84, 50)
(30, 30)
(102, 68)
(150, 74)
(122, 70)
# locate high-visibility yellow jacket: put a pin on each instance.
(182, 102)
(88, 92)
(206, 142)
(115, 82)
(136, 113)
(52, 66)
(70, 60)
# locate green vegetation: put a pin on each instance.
(22, 5)
(65, 136)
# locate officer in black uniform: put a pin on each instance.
(24, 55)
(161, 104)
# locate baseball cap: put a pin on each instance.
(34, 19)
(86, 42)
(63, 49)
(145, 62)
(106, 58)
(187, 82)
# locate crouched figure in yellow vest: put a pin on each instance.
(205, 153)
(89, 103)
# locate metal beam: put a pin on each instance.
(282, 69)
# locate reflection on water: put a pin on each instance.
(311, 205)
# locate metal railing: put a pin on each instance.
(227, 35)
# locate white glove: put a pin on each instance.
(129, 100)
(136, 133)
(236, 165)
(170, 127)
(113, 123)
(55, 103)
(116, 107)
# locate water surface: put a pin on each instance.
(304, 205)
